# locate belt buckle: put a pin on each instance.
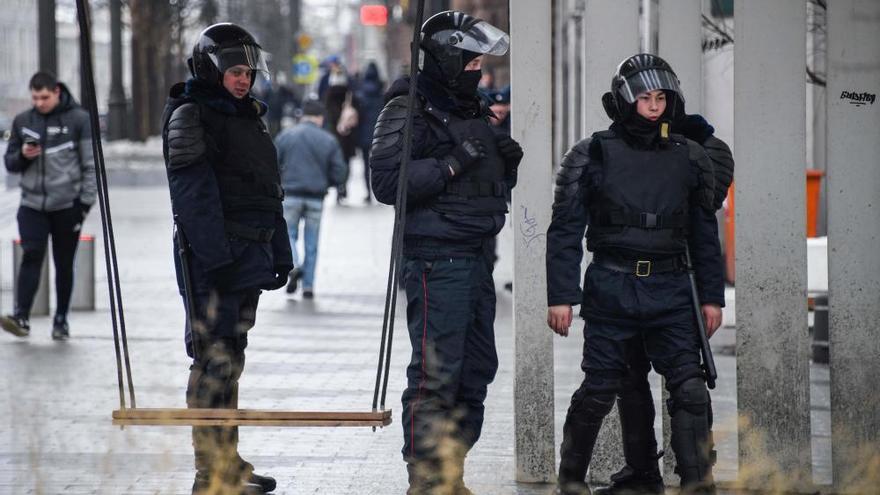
(643, 268)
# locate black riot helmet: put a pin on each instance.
(451, 39)
(222, 46)
(636, 75)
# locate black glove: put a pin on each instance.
(694, 127)
(465, 154)
(509, 149)
(282, 272)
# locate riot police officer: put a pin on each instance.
(232, 238)
(458, 179)
(635, 403)
(647, 194)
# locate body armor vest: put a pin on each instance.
(481, 188)
(244, 160)
(642, 201)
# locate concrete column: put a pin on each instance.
(853, 233)
(531, 30)
(771, 276)
(612, 34)
(680, 32)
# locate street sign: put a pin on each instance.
(305, 69)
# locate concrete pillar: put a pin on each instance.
(771, 276)
(612, 34)
(680, 32)
(531, 59)
(853, 233)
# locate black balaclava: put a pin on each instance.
(459, 96)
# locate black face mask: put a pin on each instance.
(467, 83)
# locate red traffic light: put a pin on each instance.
(374, 15)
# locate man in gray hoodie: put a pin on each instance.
(311, 162)
(51, 147)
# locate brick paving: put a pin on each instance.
(56, 398)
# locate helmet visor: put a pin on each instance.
(648, 80)
(249, 55)
(482, 38)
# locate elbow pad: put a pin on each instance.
(185, 137)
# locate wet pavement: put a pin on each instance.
(56, 397)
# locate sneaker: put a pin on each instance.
(308, 294)
(294, 277)
(16, 325)
(60, 329)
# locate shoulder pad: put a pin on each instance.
(573, 167)
(185, 136)
(606, 134)
(388, 133)
(722, 159)
(705, 174)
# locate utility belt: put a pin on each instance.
(246, 232)
(640, 267)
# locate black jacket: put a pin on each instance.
(429, 233)
(220, 259)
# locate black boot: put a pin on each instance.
(641, 475)
(266, 483)
(582, 424)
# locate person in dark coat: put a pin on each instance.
(50, 146)
(226, 198)
(635, 403)
(369, 100)
(648, 196)
(458, 180)
(338, 93)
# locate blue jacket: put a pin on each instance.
(311, 161)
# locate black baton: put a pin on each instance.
(705, 349)
(188, 297)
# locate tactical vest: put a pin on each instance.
(244, 160)
(480, 190)
(642, 201)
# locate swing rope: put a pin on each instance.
(117, 314)
(394, 269)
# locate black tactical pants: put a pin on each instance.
(213, 380)
(622, 309)
(450, 315)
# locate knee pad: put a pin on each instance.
(691, 396)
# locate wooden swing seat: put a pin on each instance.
(248, 417)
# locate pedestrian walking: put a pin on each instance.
(231, 238)
(458, 180)
(649, 194)
(370, 100)
(50, 146)
(311, 162)
(635, 403)
(341, 117)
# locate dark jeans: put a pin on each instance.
(213, 380)
(34, 228)
(450, 315)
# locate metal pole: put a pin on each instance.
(116, 128)
(47, 35)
